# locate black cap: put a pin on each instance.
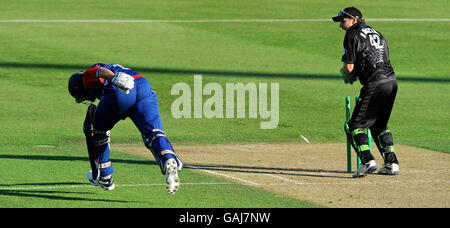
(349, 12)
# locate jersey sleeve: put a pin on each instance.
(91, 79)
(349, 54)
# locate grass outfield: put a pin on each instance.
(303, 57)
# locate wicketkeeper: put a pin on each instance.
(366, 56)
(123, 93)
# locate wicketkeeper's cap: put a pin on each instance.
(349, 12)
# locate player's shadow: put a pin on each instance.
(72, 158)
(204, 72)
(42, 184)
(46, 191)
(52, 195)
(39, 190)
(269, 170)
(216, 167)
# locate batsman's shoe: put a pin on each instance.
(172, 180)
(365, 168)
(106, 183)
(389, 169)
(180, 164)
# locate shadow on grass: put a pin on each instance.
(77, 67)
(44, 184)
(269, 170)
(217, 167)
(35, 189)
(51, 195)
(73, 158)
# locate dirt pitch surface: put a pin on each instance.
(317, 173)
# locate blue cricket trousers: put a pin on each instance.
(140, 105)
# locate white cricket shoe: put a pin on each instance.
(389, 169)
(172, 180)
(365, 168)
(106, 183)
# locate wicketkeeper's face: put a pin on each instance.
(346, 23)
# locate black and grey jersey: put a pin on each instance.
(367, 49)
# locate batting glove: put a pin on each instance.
(348, 78)
(123, 81)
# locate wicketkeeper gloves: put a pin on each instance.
(123, 81)
(348, 78)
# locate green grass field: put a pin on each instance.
(303, 57)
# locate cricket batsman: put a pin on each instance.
(366, 56)
(122, 93)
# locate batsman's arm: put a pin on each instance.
(122, 80)
(105, 73)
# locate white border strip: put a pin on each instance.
(209, 20)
